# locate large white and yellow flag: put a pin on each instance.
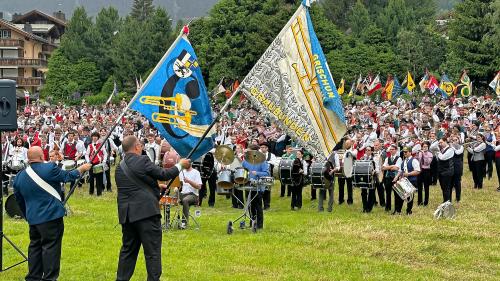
(292, 84)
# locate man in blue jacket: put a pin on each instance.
(256, 171)
(38, 193)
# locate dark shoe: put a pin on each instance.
(266, 208)
(387, 210)
(341, 202)
(321, 210)
(364, 211)
(330, 210)
(382, 204)
(409, 213)
(293, 209)
(396, 213)
(349, 202)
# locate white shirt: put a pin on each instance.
(19, 153)
(192, 175)
(398, 162)
(448, 154)
(80, 147)
(414, 163)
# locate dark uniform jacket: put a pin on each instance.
(139, 202)
(39, 206)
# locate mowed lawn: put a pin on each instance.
(302, 245)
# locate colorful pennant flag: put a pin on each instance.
(374, 86)
(174, 99)
(387, 92)
(410, 86)
(341, 89)
(447, 87)
(495, 84)
(432, 84)
(423, 82)
(464, 88)
(292, 84)
(396, 89)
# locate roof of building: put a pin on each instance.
(23, 32)
(20, 19)
(37, 27)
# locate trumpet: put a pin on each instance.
(162, 101)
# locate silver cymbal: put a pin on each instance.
(254, 157)
(224, 154)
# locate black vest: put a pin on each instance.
(445, 167)
(391, 174)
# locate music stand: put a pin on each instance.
(246, 209)
(2, 234)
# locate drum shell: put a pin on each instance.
(225, 179)
(363, 174)
(97, 169)
(68, 165)
(319, 175)
(241, 176)
(16, 165)
(168, 201)
(205, 165)
(223, 191)
(288, 172)
(12, 208)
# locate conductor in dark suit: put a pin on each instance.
(38, 193)
(138, 208)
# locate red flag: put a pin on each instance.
(433, 84)
(374, 86)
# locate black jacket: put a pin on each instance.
(139, 202)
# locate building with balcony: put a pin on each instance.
(26, 47)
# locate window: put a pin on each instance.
(4, 33)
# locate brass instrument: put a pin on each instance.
(183, 115)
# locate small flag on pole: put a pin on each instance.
(495, 84)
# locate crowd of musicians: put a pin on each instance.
(436, 135)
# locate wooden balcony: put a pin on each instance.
(48, 49)
(26, 82)
(15, 43)
(23, 62)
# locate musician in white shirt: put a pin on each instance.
(334, 166)
(445, 167)
(390, 167)
(410, 169)
(191, 184)
(353, 153)
(153, 150)
(478, 163)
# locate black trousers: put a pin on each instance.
(146, 232)
(237, 198)
(256, 211)
(108, 179)
(456, 184)
(296, 196)
(398, 202)
(388, 192)
(212, 186)
(497, 164)
(423, 183)
(266, 198)
(313, 193)
(434, 171)
(368, 199)
(286, 188)
(489, 157)
(380, 192)
(445, 183)
(99, 184)
(342, 182)
(44, 252)
(478, 170)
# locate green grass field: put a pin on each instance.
(302, 245)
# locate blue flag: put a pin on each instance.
(396, 90)
(174, 99)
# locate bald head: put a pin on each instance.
(129, 143)
(35, 154)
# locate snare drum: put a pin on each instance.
(319, 175)
(289, 171)
(97, 169)
(168, 201)
(241, 176)
(268, 182)
(404, 189)
(225, 179)
(68, 165)
(12, 208)
(363, 174)
(16, 165)
(223, 191)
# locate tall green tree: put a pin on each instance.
(142, 9)
(78, 41)
(359, 18)
(107, 25)
(338, 11)
(470, 47)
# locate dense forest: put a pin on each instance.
(386, 37)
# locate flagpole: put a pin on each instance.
(96, 152)
(216, 119)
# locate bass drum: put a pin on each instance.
(289, 172)
(205, 165)
(364, 174)
(319, 175)
(12, 208)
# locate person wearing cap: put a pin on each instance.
(271, 161)
(410, 169)
(391, 168)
